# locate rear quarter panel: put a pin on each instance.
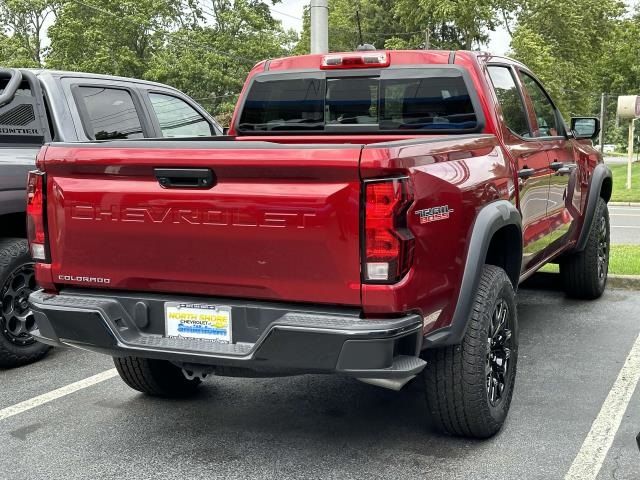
(462, 173)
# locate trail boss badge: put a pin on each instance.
(434, 214)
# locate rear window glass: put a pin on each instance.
(296, 104)
(112, 113)
(432, 102)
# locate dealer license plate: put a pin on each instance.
(194, 320)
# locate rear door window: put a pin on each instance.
(111, 112)
(177, 118)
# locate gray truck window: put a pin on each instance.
(112, 113)
(513, 111)
(177, 118)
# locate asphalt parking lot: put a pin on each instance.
(571, 354)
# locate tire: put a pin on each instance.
(158, 378)
(457, 377)
(17, 281)
(584, 274)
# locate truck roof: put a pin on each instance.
(397, 58)
(64, 73)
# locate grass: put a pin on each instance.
(620, 192)
(624, 260)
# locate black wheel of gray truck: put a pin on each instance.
(155, 377)
(17, 281)
(469, 386)
(584, 274)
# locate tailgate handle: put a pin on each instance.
(185, 177)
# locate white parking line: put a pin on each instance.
(55, 394)
(594, 450)
(625, 226)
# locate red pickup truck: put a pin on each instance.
(370, 214)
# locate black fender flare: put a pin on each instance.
(600, 174)
(490, 219)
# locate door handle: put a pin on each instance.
(526, 173)
(555, 166)
(567, 169)
(202, 178)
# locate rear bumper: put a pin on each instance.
(270, 338)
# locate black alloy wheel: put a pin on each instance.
(603, 249)
(499, 348)
(17, 318)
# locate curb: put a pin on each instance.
(624, 204)
(625, 282)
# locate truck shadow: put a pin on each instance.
(315, 418)
(543, 281)
(336, 427)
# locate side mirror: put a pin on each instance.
(584, 128)
(225, 131)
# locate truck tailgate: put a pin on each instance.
(280, 223)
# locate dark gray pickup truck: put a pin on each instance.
(39, 106)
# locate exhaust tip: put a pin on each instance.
(395, 384)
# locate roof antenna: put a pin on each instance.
(359, 28)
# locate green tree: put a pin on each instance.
(24, 23)
(408, 24)
(563, 44)
(210, 62)
(619, 69)
(112, 36)
(377, 24)
(452, 24)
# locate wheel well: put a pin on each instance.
(505, 251)
(13, 225)
(606, 189)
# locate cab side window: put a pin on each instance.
(548, 123)
(177, 118)
(112, 113)
(513, 111)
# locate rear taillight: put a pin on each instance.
(388, 243)
(36, 229)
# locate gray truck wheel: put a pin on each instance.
(469, 386)
(159, 378)
(584, 274)
(17, 281)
